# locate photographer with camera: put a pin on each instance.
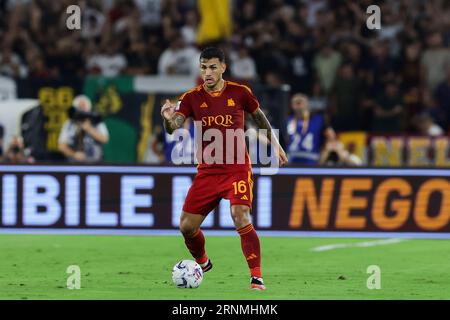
(334, 154)
(82, 136)
(16, 153)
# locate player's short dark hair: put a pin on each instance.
(212, 52)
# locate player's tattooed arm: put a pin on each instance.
(172, 120)
(174, 123)
(261, 121)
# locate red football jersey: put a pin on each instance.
(220, 113)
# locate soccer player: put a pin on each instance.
(220, 105)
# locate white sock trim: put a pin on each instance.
(204, 264)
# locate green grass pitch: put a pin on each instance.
(139, 267)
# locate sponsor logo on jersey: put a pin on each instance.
(224, 121)
(230, 103)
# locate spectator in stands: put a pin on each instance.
(15, 152)
(38, 68)
(442, 95)
(137, 57)
(153, 52)
(274, 101)
(308, 132)
(334, 154)
(431, 107)
(247, 16)
(65, 58)
(93, 21)
(318, 100)
(345, 100)
(266, 52)
(242, 65)
(110, 63)
(11, 64)
(392, 26)
(382, 67)
(426, 126)
(434, 61)
(179, 59)
(326, 64)
(121, 16)
(81, 140)
(150, 12)
(353, 56)
(301, 75)
(388, 111)
(410, 74)
(189, 29)
(410, 69)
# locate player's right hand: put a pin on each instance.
(167, 110)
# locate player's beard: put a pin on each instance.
(211, 86)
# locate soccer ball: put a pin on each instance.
(187, 274)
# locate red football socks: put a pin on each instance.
(251, 249)
(196, 246)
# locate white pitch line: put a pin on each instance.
(364, 244)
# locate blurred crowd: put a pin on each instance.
(391, 80)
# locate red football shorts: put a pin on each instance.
(209, 188)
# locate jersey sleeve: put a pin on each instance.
(250, 101)
(184, 106)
